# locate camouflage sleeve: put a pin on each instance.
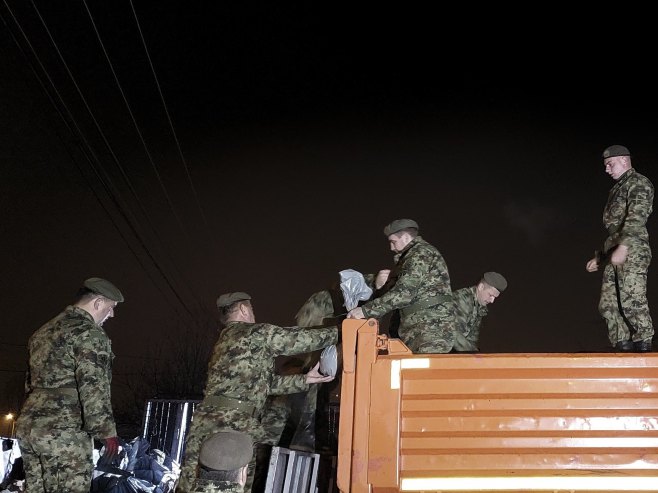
(402, 293)
(288, 341)
(460, 302)
(467, 321)
(288, 384)
(93, 374)
(639, 207)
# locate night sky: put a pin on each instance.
(298, 135)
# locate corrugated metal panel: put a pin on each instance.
(489, 414)
(513, 422)
(165, 425)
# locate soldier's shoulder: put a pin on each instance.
(75, 322)
(91, 333)
(639, 177)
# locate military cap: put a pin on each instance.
(230, 298)
(495, 280)
(398, 225)
(226, 451)
(104, 288)
(616, 150)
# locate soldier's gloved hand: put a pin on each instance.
(110, 452)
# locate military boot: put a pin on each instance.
(642, 346)
(624, 346)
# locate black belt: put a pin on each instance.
(429, 302)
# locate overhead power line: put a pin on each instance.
(171, 125)
(87, 148)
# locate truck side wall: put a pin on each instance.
(510, 422)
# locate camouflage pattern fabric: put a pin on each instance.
(319, 306)
(209, 486)
(57, 462)
(468, 319)
(420, 273)
(278, 410)
(68, 401)
(242, 367)
(629, 205)
(632, 279)
(274, 418)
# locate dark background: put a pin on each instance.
(297, 133)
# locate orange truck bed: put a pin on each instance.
(583, 422)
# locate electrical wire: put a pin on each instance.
(166, 110)
(113, 193)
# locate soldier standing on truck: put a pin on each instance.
(626, 254)
(471, 306)
(419, 287)
(241, 376)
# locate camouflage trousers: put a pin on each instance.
(207, 421)
(58, 462)
(631, 302)
(208, 486)
(289, 410)
(274, 418)
(430, 330)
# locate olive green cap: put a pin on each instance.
(398, 225)
(226, 451)
(104, 288)
(495, 280)
(229, 298)
(616, 150)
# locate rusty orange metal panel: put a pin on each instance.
(504, 422)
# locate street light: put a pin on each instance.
(10, 417)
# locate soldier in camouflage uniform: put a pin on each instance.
(223, 461)
(68, 394)
(299, 410)
(626, 254)
(471, 306)
(241, 376)
(419, 287)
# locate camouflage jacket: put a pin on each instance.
(69, 377)
(468, 319)
(630, 202)
(325, 306)
(419, 274)
(242, 363)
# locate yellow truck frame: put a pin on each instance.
(558, 422)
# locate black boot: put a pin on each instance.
(624, 346)
(642, 346)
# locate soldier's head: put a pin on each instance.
(400, 233)
(235, 307)
(224, 456)
(99, 298)
(617, 160)
(490, 287)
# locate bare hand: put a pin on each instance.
(592, 265)
(382, 277)
(314, 375)
(356, 313)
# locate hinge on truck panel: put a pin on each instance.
(382, 342)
